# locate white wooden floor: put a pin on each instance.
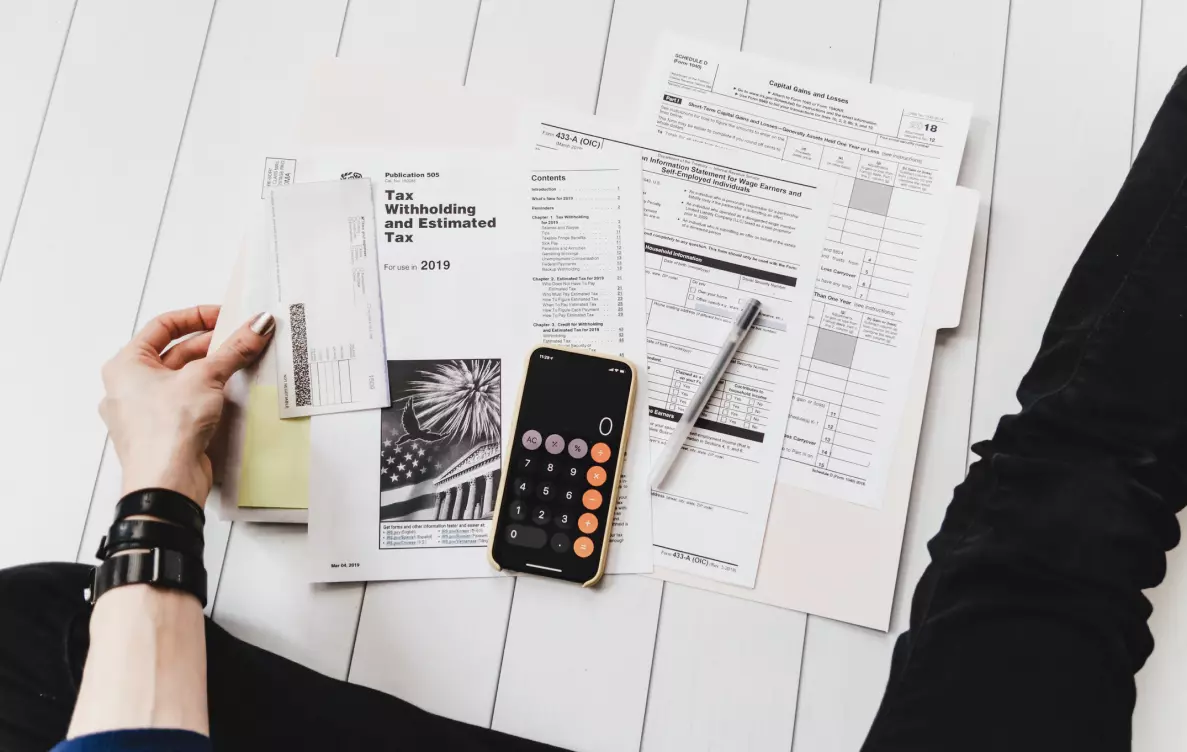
(128, 135)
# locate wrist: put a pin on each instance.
(174, 479)
(170, 462)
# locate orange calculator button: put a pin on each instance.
(583, 547)
(587, 523)
(595, 475)
(591, 499)
(600, 452)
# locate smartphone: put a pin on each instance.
(563, 462)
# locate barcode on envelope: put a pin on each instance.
(300, 346)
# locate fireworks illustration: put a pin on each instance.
(460, 398)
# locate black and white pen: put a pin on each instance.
(742, 325)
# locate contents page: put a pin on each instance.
(895, 156)
(718, 229)
(577, 277)
(586, 283)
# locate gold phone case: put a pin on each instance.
(626, 433)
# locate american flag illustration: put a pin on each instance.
(409, 458)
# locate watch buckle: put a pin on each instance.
(89, 593)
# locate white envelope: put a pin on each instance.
(329, 325)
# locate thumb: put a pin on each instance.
(241, 349)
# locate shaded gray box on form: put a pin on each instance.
(870, 197)
(834, 347)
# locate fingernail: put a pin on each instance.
(263, 324)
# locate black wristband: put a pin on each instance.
(158, 567)
(164, 504)
(131, 534)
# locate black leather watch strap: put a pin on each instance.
(162, 503)
(158, 567)
(130, 534)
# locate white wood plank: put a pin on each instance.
(1158, 726)
(697, 648)
(32, 35)
(836, 36)
(266, 599)
(972, 44)
(632, 36)
(596, 644)
(881, 531)
(510, 40)
(634, 29)
(400, 623)
(246, 101)
(103, 500)
(1162, 685)
(534, 49)
(399, 648)
(1160, 58)
(1060, 162)
(845, 667)
(389, 122)
(255, 94)
(428, 37)
(743, 655)
(80, 252)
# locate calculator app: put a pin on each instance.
(555, 514)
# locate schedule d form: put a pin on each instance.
(718, 228)
(896, 156)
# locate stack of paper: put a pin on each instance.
(825, 199)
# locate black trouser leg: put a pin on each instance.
(1029, 624)
(257, 700)
(43, 634)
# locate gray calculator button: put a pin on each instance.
(555, 443)
(578, 448)
(531, 439)
(518, 511)
(528, 537)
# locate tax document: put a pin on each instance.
(895, 156)
(329, 335)
(482, 256)
(718, 228)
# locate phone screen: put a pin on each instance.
(555, 511)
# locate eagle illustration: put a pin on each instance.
(412, 430)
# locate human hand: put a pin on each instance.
(162, 404)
